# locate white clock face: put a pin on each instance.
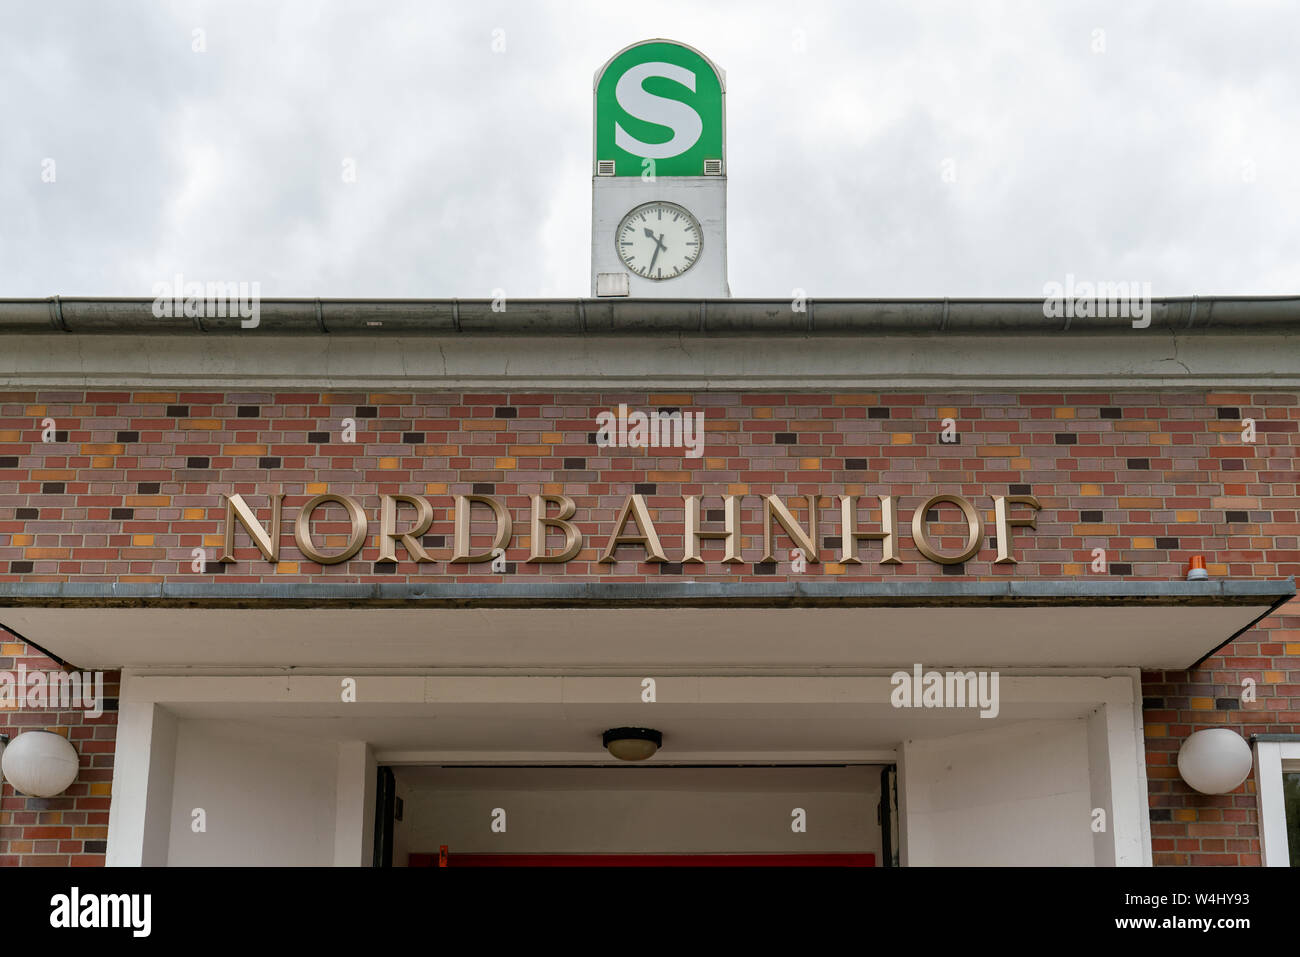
(659, 240)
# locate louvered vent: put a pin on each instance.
(604, 167)
(713, 167)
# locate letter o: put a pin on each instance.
(974, 526)
(302, 529)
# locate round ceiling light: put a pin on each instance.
(632, 744)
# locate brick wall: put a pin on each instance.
(1207, 829)
(133, 482)
(70, 829)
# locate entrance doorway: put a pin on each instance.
(635, 815)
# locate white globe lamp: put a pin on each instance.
(1215, 761)
(40, 763)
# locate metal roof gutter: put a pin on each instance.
(1213, 315)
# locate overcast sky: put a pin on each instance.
(1164, 148)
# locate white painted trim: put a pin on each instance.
(1271, 759)
(146, 752)
(533, 758)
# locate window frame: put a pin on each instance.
(1274, 754)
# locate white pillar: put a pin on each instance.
(354, 819)
(139, 815)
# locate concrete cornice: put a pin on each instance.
(1268, 592)
(699, 345)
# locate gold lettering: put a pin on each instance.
(389, 536)
(773, 507)
(730, 533)
(302, 529)
(460, 545)
(635, 509)
(541, 523)
(267, 542)
(887, 536)
(1005, 524)
(974, 528)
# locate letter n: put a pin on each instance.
(268, 543)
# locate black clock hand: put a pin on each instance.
(659, 240)
(650, 268)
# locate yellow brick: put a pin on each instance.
(286, 568)
(1096, 529)
(527, 450)
(47, 553)
(53, 475)
(102, 462)
(1217, 569)
(856, 400)
(10, 435)
(1186, 516)
(552, 438)
(194, 514)
(385, 398)
(553, 488)
(670, 399)
(1162, 438)
(737, 488)
(21, 540)
(1293, 648)
(505, 462)
(1136, 425)
(948, 413)
(669, 476)
(1089, 489)
(900, 438)
(1202, 704)
(1140, 502)
(810, 463)
(1021, 464)
(34, 410)
(1144, 543)
(243, 449)
(143, 397)
(762, 412)
(998, 451)
(484, 425)
(435, 488)
(209, 425)
(389, 462)
(317, 488)
(1064, 413)
(213, 541)
(1234, 501)
(711, 463)
(1274, 677)
(1073, 569)
(101, 788)
(1184, 814)
(833, 568)
(1156, 730)
(12, 648)
(141, 539)
(91, 448)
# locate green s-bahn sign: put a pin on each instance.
(659, 109)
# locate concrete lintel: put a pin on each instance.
(648, 594)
